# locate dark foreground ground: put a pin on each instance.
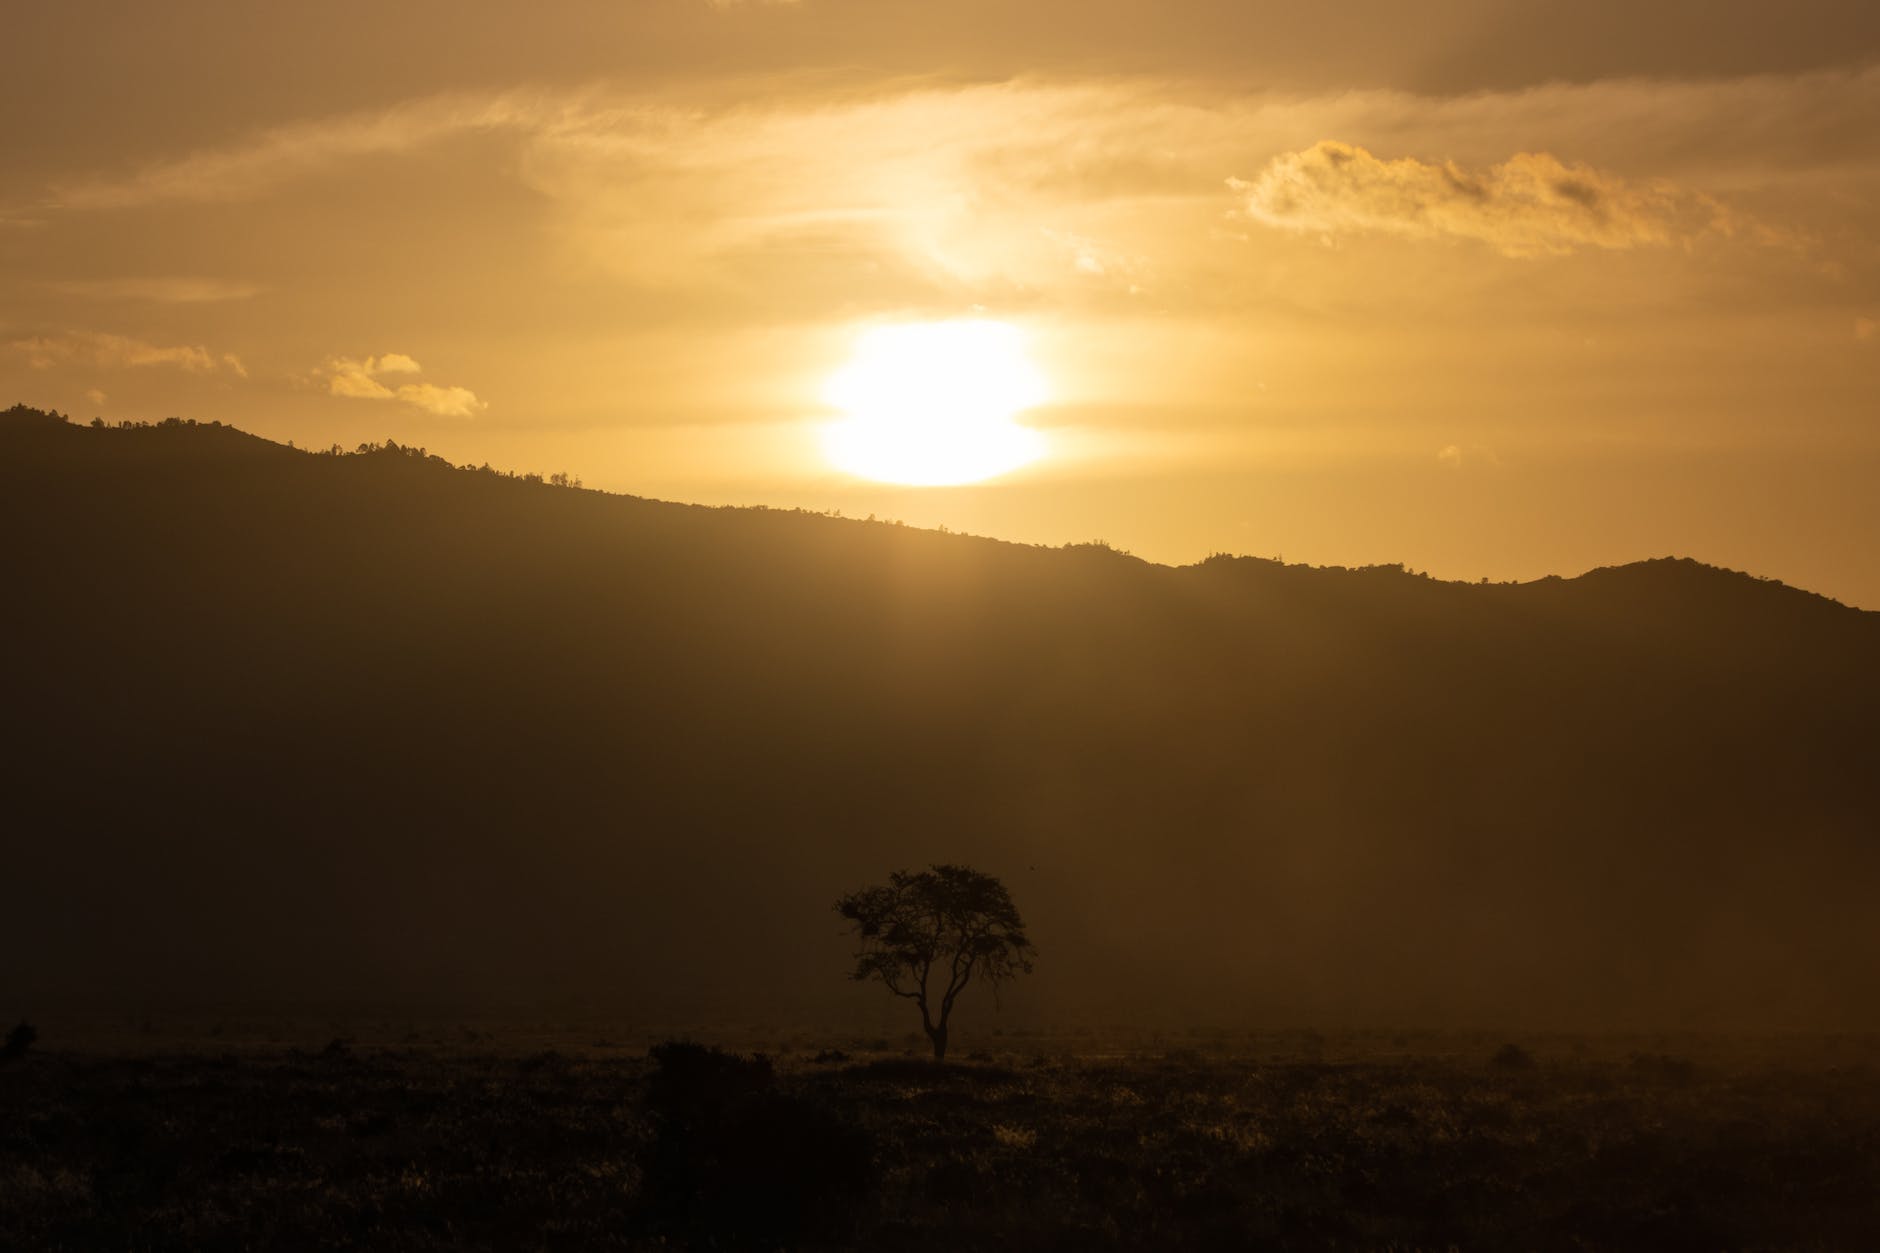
(1296, 1142)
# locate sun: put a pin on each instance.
(932, 404)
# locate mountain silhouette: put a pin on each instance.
(298, 726)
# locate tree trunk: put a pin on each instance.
(939, 1037)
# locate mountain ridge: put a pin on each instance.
(22, 418)
(367, 727)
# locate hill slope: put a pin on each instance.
(298, 726)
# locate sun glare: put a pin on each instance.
(932, 404)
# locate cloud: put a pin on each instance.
(1532, 204)
(105, 350)
(1126, 134)
(828, 193)
(357, 378)
(174, 291)
(928, 189)
(346, 377)
(281, 154)
(446, 402)
(1093, 258)
(1468, 456)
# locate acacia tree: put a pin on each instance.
(927, 935)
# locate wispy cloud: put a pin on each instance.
(172, 291)
(923, 192)
(108, 351)
(1468, 457)
(284, 153)
(359, 378)
(1531, 204)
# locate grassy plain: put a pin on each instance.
(431, 1138)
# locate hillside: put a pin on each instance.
(293, 726)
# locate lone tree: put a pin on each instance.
(926, 935)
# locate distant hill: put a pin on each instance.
(291, 726)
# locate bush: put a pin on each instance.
(1512, 1057)
(690, 1079)
(735, 1162)
(18, 1041)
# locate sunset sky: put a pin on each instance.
(1491, 289)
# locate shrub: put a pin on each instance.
(690, 1079)
(1512, 1057)
(18, 1041)
(734, 1162)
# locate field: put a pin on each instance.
(467, 1139)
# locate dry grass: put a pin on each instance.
(420, 1148)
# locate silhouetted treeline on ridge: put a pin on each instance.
(290, 725)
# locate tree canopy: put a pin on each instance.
(927, 934)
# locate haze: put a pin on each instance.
(1494, 291)
(940, 624)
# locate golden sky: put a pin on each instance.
(1492, 289)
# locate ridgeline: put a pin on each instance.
(304, 726)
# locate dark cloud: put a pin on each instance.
(1533, 203)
